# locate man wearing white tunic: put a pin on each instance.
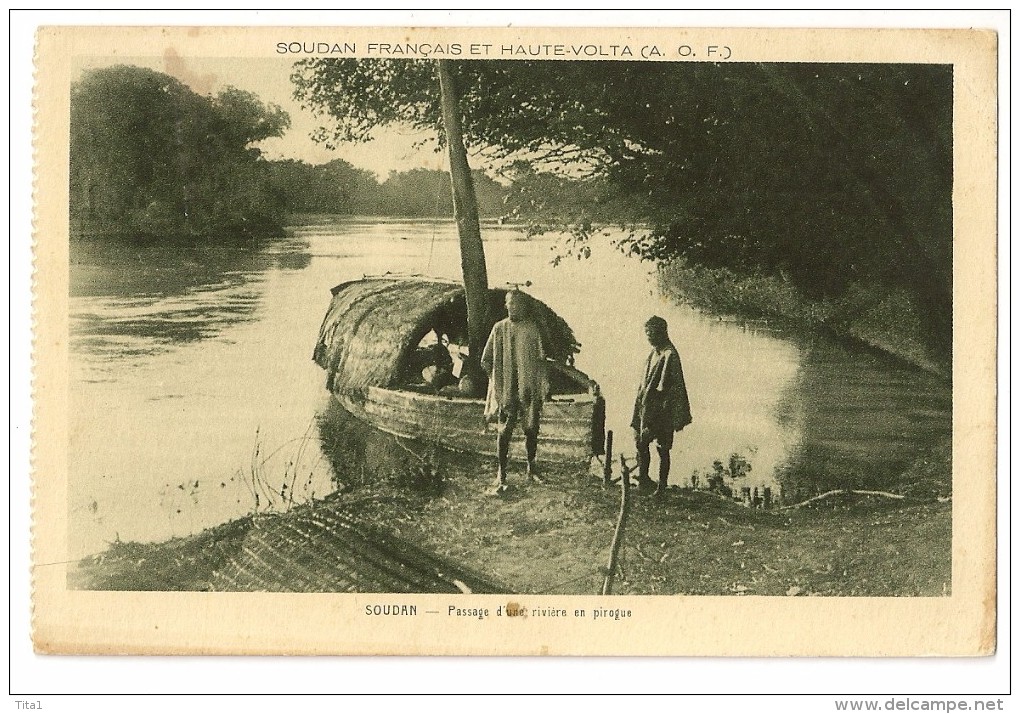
(515, 362)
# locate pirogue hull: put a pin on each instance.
(568, 429)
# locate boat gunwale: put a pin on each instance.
(564, 450)
(571, 398)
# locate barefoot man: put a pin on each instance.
(662, 406)
(515, 362)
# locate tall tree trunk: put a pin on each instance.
(465, 207)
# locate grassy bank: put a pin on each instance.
(882, 319)
(556, 538)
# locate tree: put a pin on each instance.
(465, 209)
(426, 192)
(338, 187)
(334, 187)
(829, 174)
(150, 156)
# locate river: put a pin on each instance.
(193, 387)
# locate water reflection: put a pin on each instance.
(360, 455)
(124, 267)
(178, 374)
(131, 300)
(863, 419)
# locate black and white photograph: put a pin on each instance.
(511, 318)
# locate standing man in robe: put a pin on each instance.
(661, 408)
(515, 362)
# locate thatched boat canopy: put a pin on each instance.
(374, 324)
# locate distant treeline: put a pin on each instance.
(150, 157)
(339, 187)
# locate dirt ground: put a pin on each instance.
(556, 538)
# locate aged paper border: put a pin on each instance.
(206, 623)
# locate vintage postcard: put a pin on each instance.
(515, 341)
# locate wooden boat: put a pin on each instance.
(373, 328)
(375, 324)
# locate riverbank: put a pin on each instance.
(215, 349)
(884, 320)
(556, 538)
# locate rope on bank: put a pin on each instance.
(861, 492)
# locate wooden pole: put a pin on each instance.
(607, 470)
(465, 208)
(621, 521)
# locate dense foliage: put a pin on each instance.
(828, 175)
(334, 187)
(149, 156)
(338, 187)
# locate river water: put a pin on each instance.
(195, 399)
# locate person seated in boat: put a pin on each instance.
(431, 365)
(514, 360)
(439, 374)
(457, 387)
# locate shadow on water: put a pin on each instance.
(133, 298)
(122, 266)
(360, 456)
(863, 419)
